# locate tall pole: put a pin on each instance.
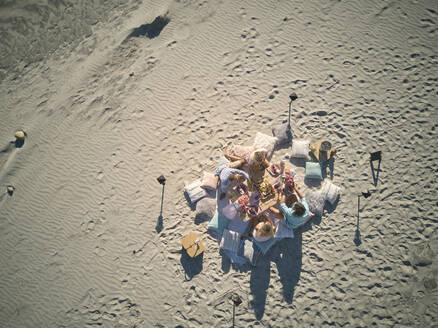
(293, 96)
(236, 301)
(162, 200)
(234, 308)
(162, 181)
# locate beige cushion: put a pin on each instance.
(209, 181)
(300, 149)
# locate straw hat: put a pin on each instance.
(20, 135)
(264, 231)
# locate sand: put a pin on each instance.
(105, 115)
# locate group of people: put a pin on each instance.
(292, 207)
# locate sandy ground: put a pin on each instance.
(106, 115)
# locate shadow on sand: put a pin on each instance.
(287, 256)
(159, 225)
(192, 266)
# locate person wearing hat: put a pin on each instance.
(264, 229)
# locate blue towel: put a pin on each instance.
(218, 223)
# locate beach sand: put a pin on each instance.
(105, 114)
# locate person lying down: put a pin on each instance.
(229, 177)
(257, 163)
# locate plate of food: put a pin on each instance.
(274, 170)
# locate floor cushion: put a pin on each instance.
(315, 199)
(331, 191)
(313, 170)
(300, 149)
(195, 192)
(217, 223)
(248, 251)
(206, 208)
(283, 134)
(209, 181)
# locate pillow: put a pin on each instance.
(283, 134)
(205, 208)
(209, 181)
(230, 241)
(263, 141)
(300, 148)
(195, 192)
(330, 191)
(313, 170)
(217, 223)
(248, 251)
(315, 199)
(243, 151)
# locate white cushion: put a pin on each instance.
(195, 192)
(331, 191)
(263, 141)
(230, 241)
(315, 199)
(300, 148)
(248, 251)
(209, 181)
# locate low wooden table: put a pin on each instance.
(264, 203)
(192, 244)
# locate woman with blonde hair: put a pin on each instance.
(257, 163)
(264, 229)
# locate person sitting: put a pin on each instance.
(257, 163)
(295, 211)
(264, 229)
(229, 177)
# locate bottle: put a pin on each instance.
(282, 165)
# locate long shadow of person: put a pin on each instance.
(259, 283)
(289, 260)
